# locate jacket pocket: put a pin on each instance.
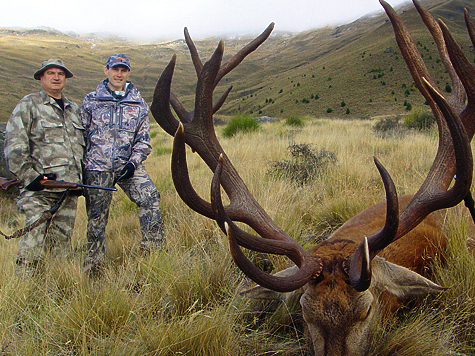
(80, 130)
(129, 117)
(52, 132)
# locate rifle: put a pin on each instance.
(6, 184)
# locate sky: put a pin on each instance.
(149, 19)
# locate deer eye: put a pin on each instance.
(368, 313)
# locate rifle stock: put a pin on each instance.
(58, 184)
(6, 184)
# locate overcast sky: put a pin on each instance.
(167, 18)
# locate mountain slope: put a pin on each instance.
(354, 70)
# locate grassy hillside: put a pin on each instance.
(186, 301)
(354, 69)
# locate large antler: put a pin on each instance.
(196, 129)
(456, 124)
(453, 156)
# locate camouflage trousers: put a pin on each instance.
(53, 236)
(141, 190)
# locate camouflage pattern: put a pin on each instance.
(141, 190)
(118, 59)
(41, 138)
(117, 128)
(4, 172)
(53, 237)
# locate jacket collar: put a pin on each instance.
(104, 93)
(49, 100)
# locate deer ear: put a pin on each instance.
(259, 292)
(401, 281)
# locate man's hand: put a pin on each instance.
(126, 172)
(36, 185)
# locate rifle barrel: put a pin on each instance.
(96, 187)
(6, 184)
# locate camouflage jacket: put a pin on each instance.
(42, 138)
(117, 128)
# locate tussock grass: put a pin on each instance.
(186, 300)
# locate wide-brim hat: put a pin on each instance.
(49, 63)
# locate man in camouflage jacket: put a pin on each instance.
(44, 139)
(115, 117)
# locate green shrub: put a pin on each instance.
(305, 164)
(419, 119)
(294, 120)
(240, 123)
(389, 127)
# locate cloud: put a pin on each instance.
(167, 18)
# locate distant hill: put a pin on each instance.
(355, 70)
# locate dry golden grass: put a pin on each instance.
(185, 300)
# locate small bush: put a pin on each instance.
(240, 123)
(305, 165)
(419, 119)
(389, 127)
(294, 120)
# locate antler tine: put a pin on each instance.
(193, 51)
(430, 196)
(160, 107)
(466, 73)
(470, 26)
(182, 113)
(309, 266)
(222, 99)
(205, 88)
(238, 57)
(181, 177)
(457, 99)
(360, 272)
(360, 262)
(386, 235)
(411, 55)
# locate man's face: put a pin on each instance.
(117, 76)
(53, 80)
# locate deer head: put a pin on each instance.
(341, 278)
